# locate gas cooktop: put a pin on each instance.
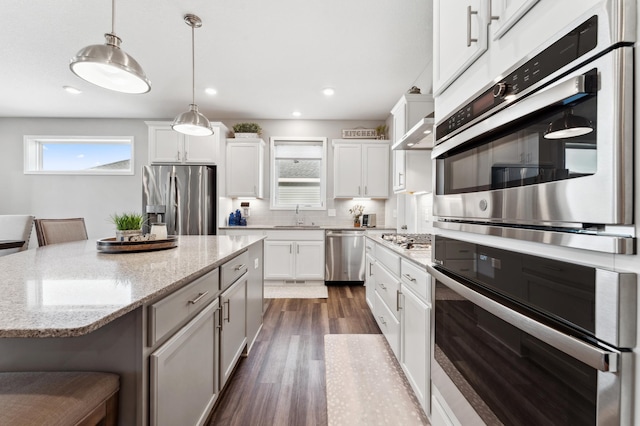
(409, 241)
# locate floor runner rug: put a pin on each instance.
(295, 292)
(366, 385)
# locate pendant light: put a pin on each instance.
(192, 122)
(568, 126)
(108, 66)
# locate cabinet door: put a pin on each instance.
(460, 37)
(184, 382)
(507, 12)
(233, 327)
(201, 149)
(414, 341)
(347, 171)
(278, 260)
(399, 170)
(309, 260)
(244, 170)
(370, 281)
(165, 145)
(376, 170)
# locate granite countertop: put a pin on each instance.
(421, 257)
(71, 289)
(310, 228)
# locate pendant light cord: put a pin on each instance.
(193, 66)
(113, 17)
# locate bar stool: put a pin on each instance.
(59, 398)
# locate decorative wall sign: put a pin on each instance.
(359, 134)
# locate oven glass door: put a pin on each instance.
(512, 375)
(521, 155)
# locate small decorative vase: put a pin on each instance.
(128, 235)
(246, 135)
(356, 222)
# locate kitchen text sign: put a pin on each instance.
(359, 134)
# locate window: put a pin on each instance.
(83, 155)
(298, 173)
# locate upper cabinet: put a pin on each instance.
(411, 168)
(245, 167)
(505, 13)
(360, 168)
(166, 146)
(460, 37)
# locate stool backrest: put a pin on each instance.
(55, 231)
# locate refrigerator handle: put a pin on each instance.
(172, 202)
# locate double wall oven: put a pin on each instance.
(545, 152)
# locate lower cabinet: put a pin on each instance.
(294, 255)
(233, 324)
(184, 373)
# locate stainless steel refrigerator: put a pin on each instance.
(183, 197)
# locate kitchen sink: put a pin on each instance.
(298, 226)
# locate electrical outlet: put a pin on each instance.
(256, 263)
(426, 215)
(395, 213)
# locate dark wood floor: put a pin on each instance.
(282, 381)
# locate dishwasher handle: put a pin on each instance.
(345, 233)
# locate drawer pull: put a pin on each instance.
(398, 294)
(382, 320)
(197, 299)
(241, 266)
(409, 277)
(383, 286)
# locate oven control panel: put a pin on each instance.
(567, 49)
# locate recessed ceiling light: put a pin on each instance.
(296, 113)
(328, 91)
(72, 90)
(210, 91)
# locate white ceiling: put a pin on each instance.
(265, 58)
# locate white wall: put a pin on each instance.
(54, 196)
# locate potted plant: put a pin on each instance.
(128, 226)
(247, 130)
(381, 131)
(356, 212)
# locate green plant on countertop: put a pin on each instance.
(127, 221)
(381, 131)
(247, 128)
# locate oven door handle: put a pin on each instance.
(567, 90)
(593, 356)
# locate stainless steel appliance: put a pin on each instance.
(184, 197)
(502, 167)
(526, 340)
(344, 256)
(369, 220)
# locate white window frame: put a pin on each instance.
(33, 154)
(323, 172)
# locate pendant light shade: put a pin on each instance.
(192, 122)
(568, 126)
(108, 66)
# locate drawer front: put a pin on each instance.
(416, 279)
(389, 325)
(295, 235)
(387, 286)
(389, 259)
(233, 269)
(176, 309)
(370, 247)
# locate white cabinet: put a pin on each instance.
(369, 276)
(166, 146)
(386, 269)
(411, 168)
(294, 255)
(245, 168)
(233, 337)
(460, 37)
(505, 13)
(255, 294)
(415, 330)
(360, 169)
(183, 373)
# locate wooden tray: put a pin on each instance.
(110, 245)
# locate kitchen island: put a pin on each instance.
(71, 307)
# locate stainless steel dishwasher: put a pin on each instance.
(344, 256)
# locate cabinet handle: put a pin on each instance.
(297, 249)
(366, 190)
(228, 310)
(178, 156)
(219, 321)
(382, 285)
(409, 277)
(358, 190)
(398, 294)
(185, 155)
(469, 13)
(370, 271)
(241, 266)
(290, 248)
(382, 320)
(197, 299)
